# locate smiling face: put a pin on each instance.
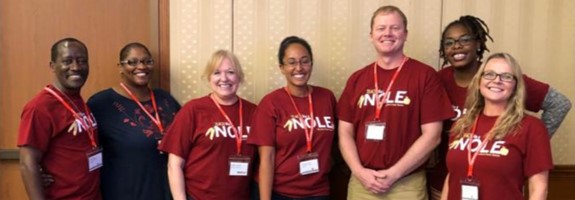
(497, 91)
(460, 46)
(388, 33)
(297, 66)
(137, 67)
(224, 81)
(70, 66)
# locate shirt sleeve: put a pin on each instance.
(435, 105)
(263, 125)
(178, 139)
(538, 149)
(35, 129)
(535, 93)
(555, 108)
(345, 103)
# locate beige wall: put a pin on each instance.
(540, 34)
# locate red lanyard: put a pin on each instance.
(379, 102)
(155, 119)
(308, 131)
(87, 124)
(239, 133)
(470, 158)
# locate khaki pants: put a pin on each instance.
(412, 187)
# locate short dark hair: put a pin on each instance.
(55, 52)
(126, 49)
(286, 42)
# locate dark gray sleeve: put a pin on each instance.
(555, 108)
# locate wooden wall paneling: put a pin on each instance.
(28, 28)
(562, 183)
(26, 46)
(164, 44)
(10, 185)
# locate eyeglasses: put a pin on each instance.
(463, 41)
(490, 75)
(303, 63)
(135, 63)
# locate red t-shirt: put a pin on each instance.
(416, 98)
(276, 124)
(202, 136)
(503, 165)
(535, 92)
(51, 128)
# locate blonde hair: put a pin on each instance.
(215, 61)
(510, 120)
(386, 10)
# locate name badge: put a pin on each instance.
(95, 159)
(375, 131)
(239, 165)
(308, 163)
(469, 189)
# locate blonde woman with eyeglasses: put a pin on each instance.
(496, 145)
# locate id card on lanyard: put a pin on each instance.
(308, 162)
(94, 155)
(239, 164)
(469, 184)
(469, 189)
(94, 159)
(375, 130)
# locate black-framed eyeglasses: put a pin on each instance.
(295, 63)
(463, 41)
(506, 77)
(134, 63)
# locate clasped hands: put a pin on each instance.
(377, 181)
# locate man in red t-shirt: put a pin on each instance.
(390, 116)
(57, 133)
